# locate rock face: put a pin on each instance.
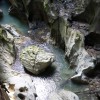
(73, 42)
(77, 54)
(28, 10)
(7, 51)
(35, 59)
(63, 95)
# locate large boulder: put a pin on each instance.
(46, 10)
(35, 59)
(63, 95)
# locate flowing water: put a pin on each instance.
(56, 76)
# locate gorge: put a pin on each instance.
(50, 49)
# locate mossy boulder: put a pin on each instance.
(35, 59)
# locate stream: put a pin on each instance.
(55, 77)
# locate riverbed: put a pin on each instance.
(56, 76)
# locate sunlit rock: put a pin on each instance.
(63, 95)
(35, 59)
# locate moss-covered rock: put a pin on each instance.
(35, 59)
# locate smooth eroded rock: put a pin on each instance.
(77, 54)
(7, 52)
(28, 10)
(72, 40)
(35, 59)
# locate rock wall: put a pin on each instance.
(73, 40)
(35, 59)
(28, 10)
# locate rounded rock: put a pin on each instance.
(35, 59)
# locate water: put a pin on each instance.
(55, 77)
(7, 19)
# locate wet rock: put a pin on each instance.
(22, 88)
(35, 59)
(63, 95)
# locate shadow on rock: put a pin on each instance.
(49, 72)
